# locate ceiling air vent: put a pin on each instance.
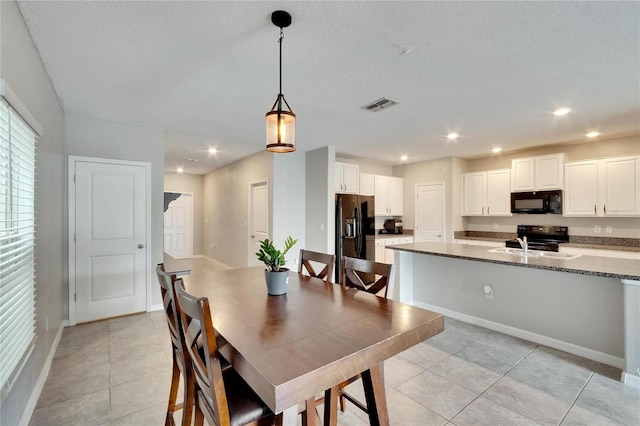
(380, 104)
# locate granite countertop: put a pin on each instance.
(587, 265)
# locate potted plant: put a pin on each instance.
(276, 275)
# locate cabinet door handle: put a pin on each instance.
(482, 209)
(489, 210)
(594, 209)
(605, 209)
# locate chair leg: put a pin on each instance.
(173, 392)
(189, 400)
(198, 418)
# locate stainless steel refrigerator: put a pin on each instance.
(354, 220)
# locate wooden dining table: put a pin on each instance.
(292, 347)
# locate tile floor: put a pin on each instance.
(117, 372)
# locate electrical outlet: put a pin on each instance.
(608, 229)
(488, 292)
(597, 229)
(495, 226)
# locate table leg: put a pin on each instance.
(373, 381)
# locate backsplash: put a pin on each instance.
(573, 239)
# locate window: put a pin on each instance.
(17, 239)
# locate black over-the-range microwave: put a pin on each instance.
(537, 202)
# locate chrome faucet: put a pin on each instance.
(523, 243)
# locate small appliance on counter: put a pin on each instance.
(393, 226)
(541, 237)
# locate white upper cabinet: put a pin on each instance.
(608, 187)
(619, 186)
(499, 193)
(542, 173)
(366, 184)
(580, 196)
(388, 195)
(473, 193)
(486, 193)
(347, 178)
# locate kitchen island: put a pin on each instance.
(586, 305)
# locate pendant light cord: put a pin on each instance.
(280, 43)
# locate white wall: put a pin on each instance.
(90, 137)
(182, 182)
(22, 69)
(226, 207)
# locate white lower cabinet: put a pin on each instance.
(385, 255)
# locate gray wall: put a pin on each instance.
(226, 207)
(182, 182)
(89, 137)
(22, 69)
(443, 170)
(579, 309)
(288, 212)
(320, 200)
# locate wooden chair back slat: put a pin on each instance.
(327, 262)
(367, 275)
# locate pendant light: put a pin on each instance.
(281, 124)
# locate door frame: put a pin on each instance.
(190, 194)
(443, 184)
(72, 160)
(252, 184)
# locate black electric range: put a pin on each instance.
(541, 237)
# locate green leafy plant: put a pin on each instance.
(273, 258)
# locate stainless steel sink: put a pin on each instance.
(534, 253)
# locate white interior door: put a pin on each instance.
(430, 212)
(178, 223)
(110, 259)
(258, 219)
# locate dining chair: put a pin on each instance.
(309, 258)
(221, 395)
(367, 275)
(372, 277)
(181, 364)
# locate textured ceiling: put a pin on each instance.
(206, 72)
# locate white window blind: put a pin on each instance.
(17, 238)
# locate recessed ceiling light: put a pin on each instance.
(561, 111)
(404, 158)
(180, 170)
(213, 151)
(592, 134)
(496, 150)
(453, 136)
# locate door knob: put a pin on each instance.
(439, 235)
(140, 246)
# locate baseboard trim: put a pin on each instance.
(42, 378)
(157, 307)
(631, 380)
(220, 264)
(527, 335)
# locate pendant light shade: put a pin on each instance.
(281, 123)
